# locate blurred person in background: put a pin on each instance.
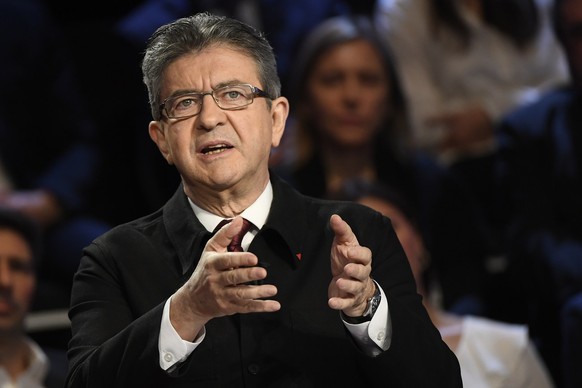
(49, 155)
(492, 354)
(464, 64)
(540, 185)
(23, 364)
(347, 121)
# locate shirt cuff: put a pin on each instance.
(172, 348)
(374, 336)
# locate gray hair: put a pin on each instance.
(194, 33)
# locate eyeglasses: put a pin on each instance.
(229, 97)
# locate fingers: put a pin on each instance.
(225, 283)
(242, 275)
(213, 293)
(347, 294)
(239, 296)
(357, 271)
(353, 280)
(252, 305)
(359, 255)
(350, 295)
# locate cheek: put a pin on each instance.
(377, 105)
(322, 101)
(324, 111)
(256, 137)
(26, 290)
(179, 143)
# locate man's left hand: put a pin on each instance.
(351, 264)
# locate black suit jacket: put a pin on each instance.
(126, 276)
(450, 222)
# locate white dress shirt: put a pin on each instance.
(373, 336)
(494, 354)
(35, 373)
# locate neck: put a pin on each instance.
(475, 7)
(15, 355)
(342, 164)
(228, 202)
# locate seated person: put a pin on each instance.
(49, 157)
(22, 361)
(348, 119)
(540, 178)
(491, 353)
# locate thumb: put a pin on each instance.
(223, 237)
(343, 232)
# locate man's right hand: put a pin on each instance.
(218, 286)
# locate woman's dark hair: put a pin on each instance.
(330, 33)
(518, 20)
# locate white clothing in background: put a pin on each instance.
(494, 354)
(437, 77)
(34, 375)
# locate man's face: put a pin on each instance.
(570, 32)
(17, 280)
(219, 150)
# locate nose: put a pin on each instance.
(210, 115)
(351, 91)
(5, 273)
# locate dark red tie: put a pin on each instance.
(235, 244)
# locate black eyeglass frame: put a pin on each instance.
(255, 92)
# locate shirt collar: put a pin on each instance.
(36, 372)
(256, 213)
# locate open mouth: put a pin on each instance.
(215, 149)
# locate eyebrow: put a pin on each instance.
(22, 261)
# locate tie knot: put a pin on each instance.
(235, 244)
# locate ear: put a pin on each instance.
(279, 113)
(158, 135)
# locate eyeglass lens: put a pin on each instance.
(228, 97)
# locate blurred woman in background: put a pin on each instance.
(348, 121)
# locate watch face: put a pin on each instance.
(373, 303)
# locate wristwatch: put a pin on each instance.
(373, 304)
